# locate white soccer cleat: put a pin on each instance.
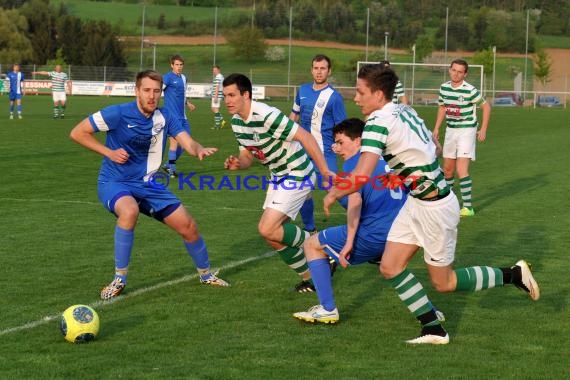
(430, 339)
(528, 283)
(213, 279)
(318, 313)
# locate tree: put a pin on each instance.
(41, 29)
(424, 47)
(247, 43)
(14, 45)
(485, 58)
(71, 39)
(161, 24)
(542, 66)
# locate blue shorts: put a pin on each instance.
(156, 203)
(333, 239)
(12, 96)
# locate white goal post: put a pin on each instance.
(421, 81)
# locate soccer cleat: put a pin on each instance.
(318, 313)
(223, 124)
(113, 289)
(213, 279)
(527, 281)
(20, 116)
(11, 117)
(429, 339)
(466, 211)
(305, 287)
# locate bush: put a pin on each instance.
(275, 54)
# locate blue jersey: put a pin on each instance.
(319, 111)
(16, 79)
(174, 87)
(143, 138)
(380, 204)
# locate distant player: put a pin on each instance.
(265, 134)
(399, 94)
(458, 101)
(318, 108)
(16, 78)
(217, 97)
(58, 83)
(135, 139)
(175, 101)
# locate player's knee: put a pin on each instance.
(387, 271)
(265, 231)
(312, 248)
(189, 230)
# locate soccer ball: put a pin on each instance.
(79, 324)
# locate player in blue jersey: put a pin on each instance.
(16, 77)
(175, 101)
(318, 108)
(370, 213)
(430, 215)
(129, 181)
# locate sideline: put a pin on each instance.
(100, 304)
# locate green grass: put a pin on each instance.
(56, 250)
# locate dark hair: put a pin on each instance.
(176, 57)
(379, 79)
(216, 67)
(385, 64)
(148, 74)
(241, 81)
(352, 128)
(322, 57)
(461, 62)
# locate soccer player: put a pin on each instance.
(266, 134)
(430, 216)
(217, 96)
(458, 101)
(399, 94)
(318, 108)
(16, 78)
(174, 87)
(370, 213)
(127, 184)
(58, 82)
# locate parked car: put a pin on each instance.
(548, 101)
(504, 102)
(515, 97)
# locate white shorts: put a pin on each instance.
(59, 96)
(431, 225)
(288, 196)
(460, 142)
(216, 102)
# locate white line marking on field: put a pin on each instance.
(100, 304)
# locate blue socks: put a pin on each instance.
(307, 214)
(321, 275)
(123, 248)
(199, 253)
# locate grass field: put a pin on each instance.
(56, 250)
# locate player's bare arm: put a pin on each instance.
(193, 147)
(352, 221)
(438, 122)
(82, 134)
(243, 161)
(293, 116)
(482, 133)
(191, 106)
(311, 147)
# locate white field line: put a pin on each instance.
(100, 304)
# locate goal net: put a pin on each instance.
(421, 81)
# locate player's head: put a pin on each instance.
(177, 63)
(374, 87)
(16, 67)
(148, 87)
(58, 68)
(237, 94)
(347, 137)
(216, 69)
(321, 69)
(458, 70)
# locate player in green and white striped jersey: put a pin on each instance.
(429, 218)
(458, 101)
(399, 96)
(58, 82)
(217, 96)
(266, 134)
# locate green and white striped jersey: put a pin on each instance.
(397, 133)
(217, 83)
(268, 135)
(460, 104)
(58, 81)
(398, 92)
